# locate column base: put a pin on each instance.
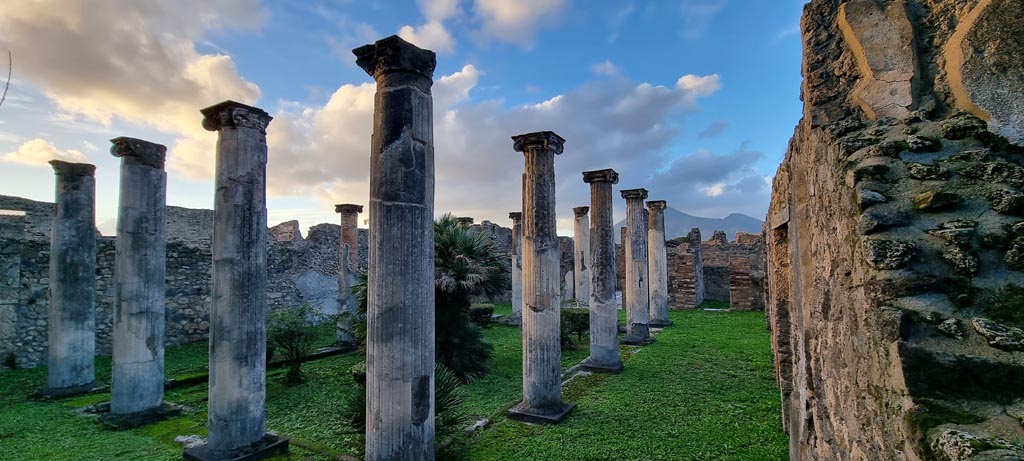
(119, 422)
(512, 321)
(529, 415)
(605, 368)
(48, 393)
(637, 342)
(268, 446)
(660, 323)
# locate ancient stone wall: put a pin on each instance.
(895, 234)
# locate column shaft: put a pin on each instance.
(400, 310)
(636, 283)
(604, 319)
(348, 269)
(72, 322)
(238, 331)
(517, 268)
(137, 383)
(581, 254)
(657, 263)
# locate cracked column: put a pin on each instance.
(517, 268)
(581, 256)
(657, 263)
(72, 322)
(348, 269)
(238, 330)
(400, 310)
(604, 318)
(635, 285)
(137, 382)
(542, 351)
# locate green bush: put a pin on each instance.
(291, 330)
(575, 321)
(481, 314)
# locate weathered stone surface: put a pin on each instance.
(581, 254)
(286, 232)
(72, 320)
(348, 271)
(636, 286)
(604, 319)
(935, 200)
(237, 417)
(400, 311)
(137, 382)
(517, 267)
(1000, 336)
(657, 263)
(881, 39)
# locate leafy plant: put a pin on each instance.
(481, 314)
(290, 330)
(575, 321)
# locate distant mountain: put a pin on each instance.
(678, 224)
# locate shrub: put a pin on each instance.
(575, 321)
(291, 331)
(481, 314)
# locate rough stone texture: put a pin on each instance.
(72, 326)
(400, 309)
(874, 355)
(137, 381)
(517, 267)
(12, 233)
(287, 231)
(567, 252)
(742, 296)
(604, 318)
(881, 39)
(581, 259)
(636, 289)
(542, 350)
(238, 327)
(685, 272)
(348, 268)
(657, 263)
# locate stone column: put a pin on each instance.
(348, 269)
(400, 312)
(657, 263)
(635, 287)
(72, 327)
(542, 350)
(137, 382)
(517, 268)
(464, 221)
(238, 330)
(581, 256)
(623, 236)
(604, 319)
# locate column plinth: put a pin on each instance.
(604, 319)
(542, 350)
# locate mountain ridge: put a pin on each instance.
(678, 224)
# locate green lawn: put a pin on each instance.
(703, 391)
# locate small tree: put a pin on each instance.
(291, 331)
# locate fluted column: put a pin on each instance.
(517, 268)
(137, 383)
(400, 309)
(604, 319)
(238, 330)
(348, 268)
(581, 255)
(542, 351)
(636, 282)
(72, 322)
(657, 263)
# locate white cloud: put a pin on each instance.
(698, 16)
(431, 35)
(146, 70)
(39, 152)
(606, 67)
(518, 21)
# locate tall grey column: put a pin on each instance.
(517, 268)
(400, 312)
(542, 350)
(581, 257)
(72, 327)
(137, 383)
(238, 330)
(348, 269)
(623, 238)
(657, 263)
(635, 285)
(604, 318)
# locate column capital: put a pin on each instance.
(69, 169)
(634, 194)
(231, 114)
(515, 216)
(140, 151)
(393, 54)
(658, 205)
(346, 208)
(547, 140)
(606, 175)
(581, 211)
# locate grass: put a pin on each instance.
(704, 390)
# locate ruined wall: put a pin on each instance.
(895, 234)
(686, 288)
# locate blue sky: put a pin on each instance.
(693, 99)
